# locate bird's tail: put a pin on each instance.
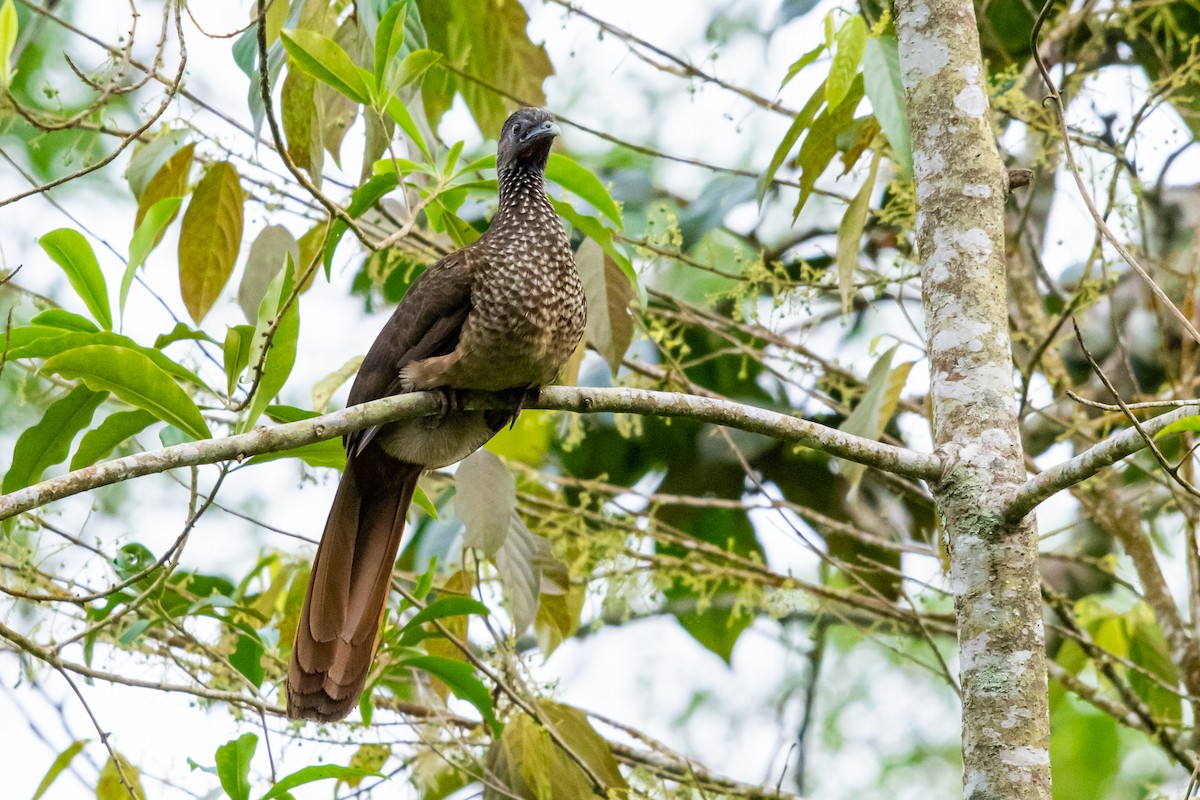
(348, 587)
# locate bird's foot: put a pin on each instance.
(518, 398)
(451, 401)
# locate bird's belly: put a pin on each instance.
(436, 441)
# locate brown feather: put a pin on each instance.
(504, 313)
(348, 588)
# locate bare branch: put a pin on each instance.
(408, 406)
(1089, 462)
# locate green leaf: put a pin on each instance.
(182, 333)
(49, 440)
(116, 428)
(453, 606)
(801, 63)
(870, 417)
(145, 239)
(71, 251)
(60, 318)
(64, 759)
(885, 90)
(134, 378)
(1149, 651)
(361, 199)
(278, 355)
(233, 765)
(422, 501)
(794, 131)
(609, 321)
(846, 57)
(583, 182)
(399, 114)
(849, 237)
(425, 583)
(237, 353)
(246, 658)
(322, 58)
(461, 679)
(1179, 426)
(209, 238)
(50, 346)
(389, 36)
(320, 772)
(820, 144)
(8, 41)
(327, 453)
(411, 68)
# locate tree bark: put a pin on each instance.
(960, 193)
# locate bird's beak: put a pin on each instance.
(546, 129)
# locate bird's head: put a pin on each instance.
(525, 139)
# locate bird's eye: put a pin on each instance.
(516, 131)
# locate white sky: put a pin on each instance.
(647, 674)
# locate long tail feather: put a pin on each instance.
(348, 587)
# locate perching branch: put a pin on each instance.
(408, 406)
(1088, 463)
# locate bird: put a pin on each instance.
(503, 314)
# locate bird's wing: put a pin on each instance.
(426, 323)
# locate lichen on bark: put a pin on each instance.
(960, 240)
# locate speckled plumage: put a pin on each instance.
(503, 313)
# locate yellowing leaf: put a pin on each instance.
(209, 238)
(111, 787)
(609, 320)
(300, 119)
(63, 760)
(323, 389)
(487, 40)
(171, 180)
(850, 232)
(268, 255)
(8, 40)
(870, 417)
(527, 761)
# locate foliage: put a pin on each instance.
(568, 525)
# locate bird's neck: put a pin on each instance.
(522, 196)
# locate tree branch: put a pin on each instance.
(408, 406)
(1088, 463)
